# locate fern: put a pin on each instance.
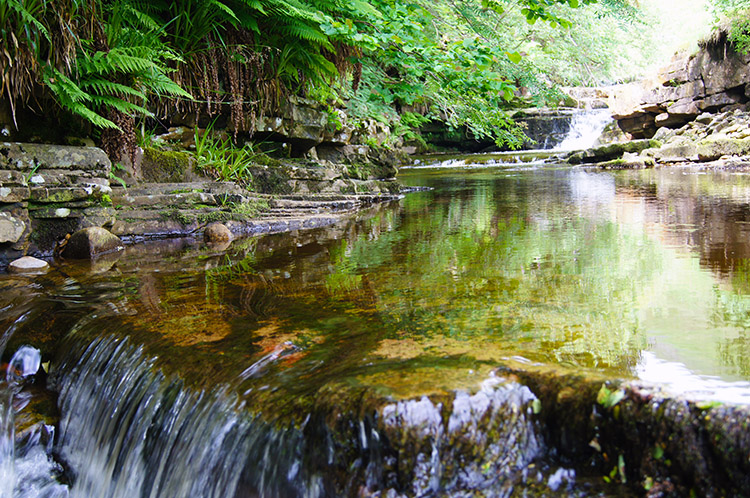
(121, 105)
(71, 97)
(106, 87)
(307, 33)
(28, 17)
(160, 84)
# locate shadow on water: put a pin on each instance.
(455, 342)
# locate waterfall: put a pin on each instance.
(26, 471)
(585, 128)
(130, 430)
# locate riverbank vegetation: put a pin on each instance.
(109, 63)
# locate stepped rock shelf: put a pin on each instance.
(48, 191)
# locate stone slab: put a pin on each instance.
(30, 157)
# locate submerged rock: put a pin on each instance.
(90, 242)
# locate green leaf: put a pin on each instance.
(608, 398)
(573, 3)
(514, 57)
(536, 406)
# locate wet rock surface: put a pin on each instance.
(47, 192)
(91, 242)
(217, 232)
(27, 264)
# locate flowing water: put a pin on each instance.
(362, 359)
(585, 128)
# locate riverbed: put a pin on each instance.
(373, 357)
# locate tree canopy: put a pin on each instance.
(396, 61)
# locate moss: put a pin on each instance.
(186, 191)
(165, 165)
(106, 200)
(176, 215)
(251, 208)
(47, 232)
(271, 180)
(213, 216)
(713, 148)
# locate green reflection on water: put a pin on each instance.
(572, 269)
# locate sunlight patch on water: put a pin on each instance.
(676, 378)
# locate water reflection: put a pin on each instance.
(658, 259)
(616, 273)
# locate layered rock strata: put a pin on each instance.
(713, 80)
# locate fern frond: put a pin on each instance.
(71, 97)
(106, 87)
(222, 8)
(160, 84)
(305, 32)
(286, 9)
(62, 85)
(143, 20)
(91, 116)
(121, 105)
(117, 60)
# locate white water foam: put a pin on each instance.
(585, 128)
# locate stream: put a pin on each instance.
(370, 358)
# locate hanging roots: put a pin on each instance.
(120, 143)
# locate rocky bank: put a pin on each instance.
(695, 111)
(325, 172)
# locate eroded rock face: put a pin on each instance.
(11, 228)
(712, 80)
(35, 158)
(90, 242)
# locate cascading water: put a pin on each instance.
(128, 430)
(586, 127)
(26, 471)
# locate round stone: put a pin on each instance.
(217, 233)
(27, 264)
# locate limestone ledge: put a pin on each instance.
(712, 80)
(48, 191)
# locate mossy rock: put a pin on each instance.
(627, 163)
(713, 148)
(370, 171)
(90, 242)
(612, 151)
(166, 166)
(679, 152)
(271, 180)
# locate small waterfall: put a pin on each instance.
(24, 474)
(585, 128)
(129, 430)
(7, 439)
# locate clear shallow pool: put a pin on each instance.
(641, 274)
(244, 358)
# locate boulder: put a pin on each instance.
(90, 242)
(32, 157)
(676, 153)
(27, 264)
(217, 233)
